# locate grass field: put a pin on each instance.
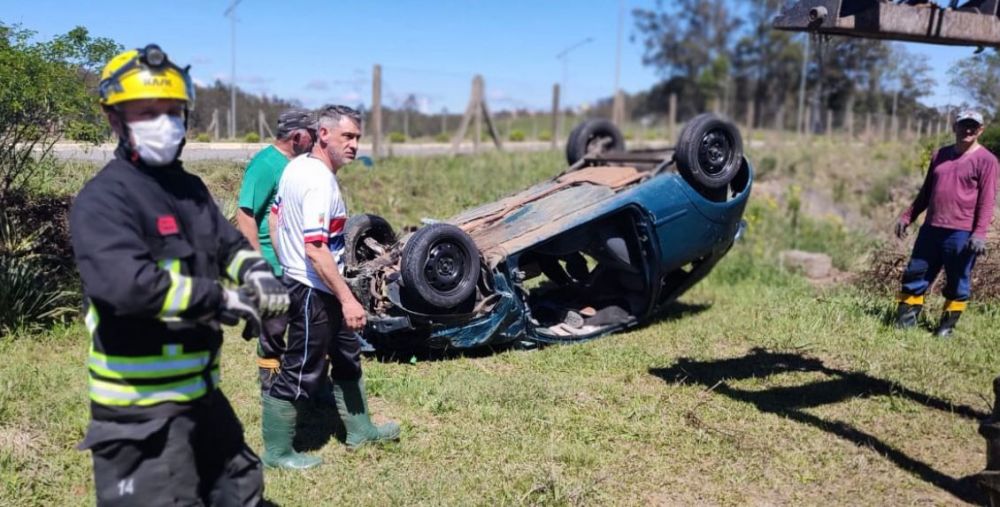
(756, 388)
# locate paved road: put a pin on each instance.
(243, 151)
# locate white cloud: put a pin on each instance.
(318, 85)
(253, 79)
(424, 105)
(498, 96)
(350, 97)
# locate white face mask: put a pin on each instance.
(157, 141)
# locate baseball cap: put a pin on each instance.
(969, 114)
(292, 119)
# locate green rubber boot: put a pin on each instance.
(352, 405)
(278, 428)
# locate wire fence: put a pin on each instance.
(398, 109)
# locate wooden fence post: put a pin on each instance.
(555, 114)
(618, 109)
(477, 111)
(213, 126)
(376, 119)
(672, 122)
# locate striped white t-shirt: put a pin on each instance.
(308, 208)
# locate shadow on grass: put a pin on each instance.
(789, 402)
(316, 426)
(676, 311)
(415, 352)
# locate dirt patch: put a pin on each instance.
(888, 263)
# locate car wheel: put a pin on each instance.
(709, 151)
(361, 227)
(440, 266)
(571, 142)
(593, 136)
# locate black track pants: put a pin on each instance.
(195, 458)
(315, 320)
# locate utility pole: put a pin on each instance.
(231, 13)
(376, 111)
(802, 86)
(563, 55)
(618, 106)
(555, 114)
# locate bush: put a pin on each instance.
(991, 138)
(545, 135)
(442, 138)
(251, 137)
(516, 135)
(87, 132)
(766, 165)
(397, 137)
(46, 92)
(31, 295)
(203, 137)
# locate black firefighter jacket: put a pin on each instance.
(151, 247)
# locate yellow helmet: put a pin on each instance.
(144, 73)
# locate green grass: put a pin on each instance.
(840, 409)
(595, 423)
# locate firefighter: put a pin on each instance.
(151, 247)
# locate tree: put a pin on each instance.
(692, 41)
(766, 62)
(728, 50)
(216, 97)
(45, 94)
(978, 78)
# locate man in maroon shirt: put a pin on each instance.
(959, 194)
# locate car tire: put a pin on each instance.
(596, 135)
(571, 142)
(360, 227)
(709, 152)
(440, 266)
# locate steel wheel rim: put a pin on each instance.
(444, 266)
(715, 151)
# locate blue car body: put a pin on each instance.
(646, 234)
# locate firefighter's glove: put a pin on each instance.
(976, 245)
(238, 304)
(270, 295)
(901, 226)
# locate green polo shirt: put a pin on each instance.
(260, 183)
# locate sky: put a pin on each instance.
(322, 52)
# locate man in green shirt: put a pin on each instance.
(295, 136)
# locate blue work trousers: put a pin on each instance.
(937, 247)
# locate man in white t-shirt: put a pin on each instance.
(308, 219)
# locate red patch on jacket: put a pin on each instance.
(167, 225)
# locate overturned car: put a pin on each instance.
(603, 246)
